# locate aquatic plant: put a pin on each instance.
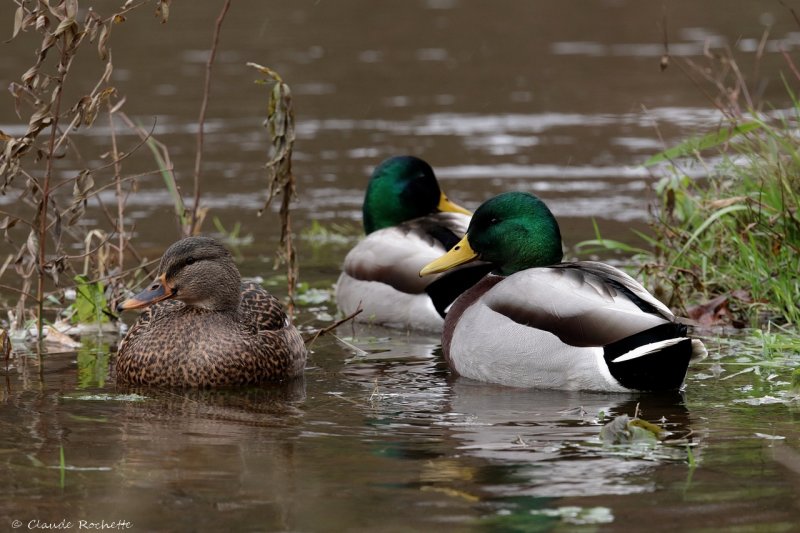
(40, 165)
(733, 238)
(280, 178)
(34, 166)
(725, 247)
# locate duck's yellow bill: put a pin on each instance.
(159, 290)
(446, 205)
(458, 255)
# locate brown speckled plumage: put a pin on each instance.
(213, 341)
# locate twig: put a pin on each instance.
(202, 119)
(665, 57)
(64, 64)
(118, 183)
(18, 218)
(14, 289)
(310, 340)
(118, 160)
(791, 10)
(792, 66)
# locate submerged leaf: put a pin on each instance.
(624, 430)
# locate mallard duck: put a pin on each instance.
(203, 327)
(409, 222)
(537, 322)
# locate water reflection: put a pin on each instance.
(551, 438)
(547, 441)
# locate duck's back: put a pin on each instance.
(565, 327)
(173, 344)
(381, 273)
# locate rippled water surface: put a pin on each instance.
(382, 438)
(564, 99)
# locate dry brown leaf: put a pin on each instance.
(725, 202)
(52, 335)
(19, 15)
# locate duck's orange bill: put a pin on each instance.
(159, 290)
(458, 255)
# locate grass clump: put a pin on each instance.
(725, 241)
(728, 245)
(725, 246)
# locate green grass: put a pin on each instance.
(733, 233)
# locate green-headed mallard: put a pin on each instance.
(537, 322)
(203, 327)
(409, 222)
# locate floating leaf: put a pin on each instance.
(624, 430)
(578, 515)
(769, 437)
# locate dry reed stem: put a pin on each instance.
(194, 226)
(281, 180)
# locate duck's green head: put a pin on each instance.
(400, 189)
(513, 231)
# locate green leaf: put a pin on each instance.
(706, 223)
(90, 300)
(710, 140)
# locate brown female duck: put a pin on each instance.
(203, 327)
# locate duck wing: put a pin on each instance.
(583, 303)
(265, 311)
(394, 256)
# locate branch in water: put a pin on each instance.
(310, 340)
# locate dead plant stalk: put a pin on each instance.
(195, 223)
(63, 70)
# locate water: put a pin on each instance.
(563, 99)
(387, 440)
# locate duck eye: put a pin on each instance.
(190, 260)
(494, 220)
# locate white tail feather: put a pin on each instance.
(699, 351)
(647, 349)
